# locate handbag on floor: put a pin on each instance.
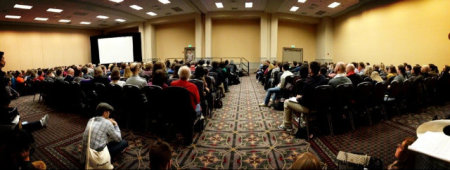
(347, 160)
(97, 159)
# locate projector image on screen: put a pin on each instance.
(115, 50)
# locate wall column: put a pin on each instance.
(198, 36)
(208, 38)
(149, 49)
(325, 40)
(265, 37)
(273, 37)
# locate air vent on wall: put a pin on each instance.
(234, 8)
(80, 13)
(303, 13)
(168, 13)
(103, 25)
(177, 9)
(320, 12)
(233, 1)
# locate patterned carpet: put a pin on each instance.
(241, 135)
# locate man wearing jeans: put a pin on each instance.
(277, 88)
(305, 99)
(105, 132)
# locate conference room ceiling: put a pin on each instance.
(87, 11)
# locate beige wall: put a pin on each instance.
(299, 34)
(28, 47)
(172, 38)
(405, 31)
(236, 38)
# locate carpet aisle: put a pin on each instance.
(241, 135)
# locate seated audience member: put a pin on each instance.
(355, 78)
(159, 79)
(405, 157)
(361, 68)
(416, 73)
(392, 72)
(304, 101)
(127, 73)
(105, 132)
(408, 69)
(184, 74)
(355, 66)
(159, 65)
(99, 77)
(376, 77)
(12, 93)
(175, 69)
(160, 155)
(78, 76)
(340, 77)
(382, 71)
(275, 90)
(401, 73)
(136, 79)
(19, 77)
(425, 70)
(59, 75)
(367, 72)
(40, 76)
(147, 73)
(70, 75)
(16, 151)
(50, 76)
(115, 78)
(434, 71)
(86, 76)
(307, 160)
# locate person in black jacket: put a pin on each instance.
(304, 100)
(355, 78)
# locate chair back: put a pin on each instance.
(344, 92)
(323, 95)
(364, 92)
(394, 89)
(379, 92)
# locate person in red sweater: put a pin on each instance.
(184, 73)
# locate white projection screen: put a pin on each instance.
(115, 49)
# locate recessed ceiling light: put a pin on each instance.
(116, 1)
(302, 1)
(164, 1)
(40, 19)
(23, 6)
(54, 10)
(13, 16)
(294, 8)
(152, 13)
(219, 5)
(136, 7)
(248, 4)
(334, 5)
(64, 20)
(85, 23)
(102, 17)
(120, 20)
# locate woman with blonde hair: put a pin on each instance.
(127, 73)
(375, 76)
(307, 160)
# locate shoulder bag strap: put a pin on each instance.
(89, 142)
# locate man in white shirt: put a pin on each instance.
(136, 79)
(277, 88)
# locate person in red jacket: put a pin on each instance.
(184, 73)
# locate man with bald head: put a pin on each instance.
(136, 79)
(340, 77)
(70, 75)
(355, 78)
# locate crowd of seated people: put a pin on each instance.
(401, 87)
